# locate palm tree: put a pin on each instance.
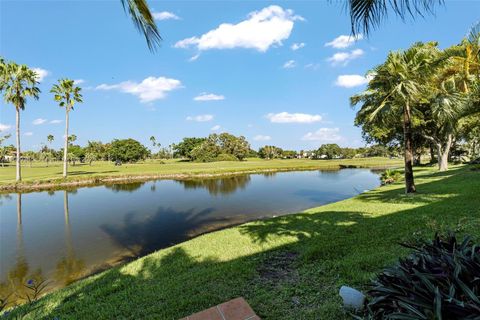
(50, 138)
(368, 14)
(67, 94)
(18, 82)
(393, 90)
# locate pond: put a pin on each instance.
(65, 235)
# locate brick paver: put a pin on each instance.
(236, 309)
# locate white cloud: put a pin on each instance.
(39, 121)
(55, 121)
(262, 138)
(262, 29)
(78, 81)
(28, 134)
(165, 15)
(194, 58)
(343, 41)
(200, 118)
(312, 66)
(150, 89)
(215, 128)
(351, 80)
(209, 97)
(289, 64)
(324, 135)
(297, 46)
(285, 117)
(4, 127)
(344, 58)
(41, 73)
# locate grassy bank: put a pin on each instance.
(40, 176)
(287, 268)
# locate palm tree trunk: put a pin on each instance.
(65, 148)
(407, 132)
(19, 170)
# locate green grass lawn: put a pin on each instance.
(39, 172)
(289, 267)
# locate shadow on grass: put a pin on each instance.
(319, 251)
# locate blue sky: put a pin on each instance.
(276, 72)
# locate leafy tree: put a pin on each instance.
(208, 150)
(3, 149)
(289, 154)
(127, 150)
(236, 146)
(50, 138)
(90, 157)
(98, 148)
(348, 153)
(270, 152)
(66, 93)
(330, 150)
(18, 82)
(185, 147)
(394, 89)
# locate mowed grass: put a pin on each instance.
(40, 172)
(289, 267)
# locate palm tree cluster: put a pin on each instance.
(18, 82)
(422, 95)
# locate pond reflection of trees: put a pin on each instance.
(125, 187)
(218, 186)
(15, 286)
(68, 269)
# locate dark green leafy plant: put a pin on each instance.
(439, 280)
(390, 176)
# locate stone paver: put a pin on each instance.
(236, 309)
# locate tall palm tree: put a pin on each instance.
(368, 14)
(66, 93)
(50, 138)
(18, 82)
(392, 92)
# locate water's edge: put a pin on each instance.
(123, 179)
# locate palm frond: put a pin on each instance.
(366, 15)
(143, 20)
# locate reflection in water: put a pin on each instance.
(126, 187)
(217, 186)
(18, 276)
(105, 225)
(69, 268)
(142, 236)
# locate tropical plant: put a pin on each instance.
(143, 20)
(185, 147)
(18, 82)
(90, 157)
(3, 149)
(50, 138)
(395, 87)
(368, 14)
(390, 176)
(66, 93)
(439, 280)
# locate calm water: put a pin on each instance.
(64, 235)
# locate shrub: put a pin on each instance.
(226, 157)
(439, 280)
(390, 176)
